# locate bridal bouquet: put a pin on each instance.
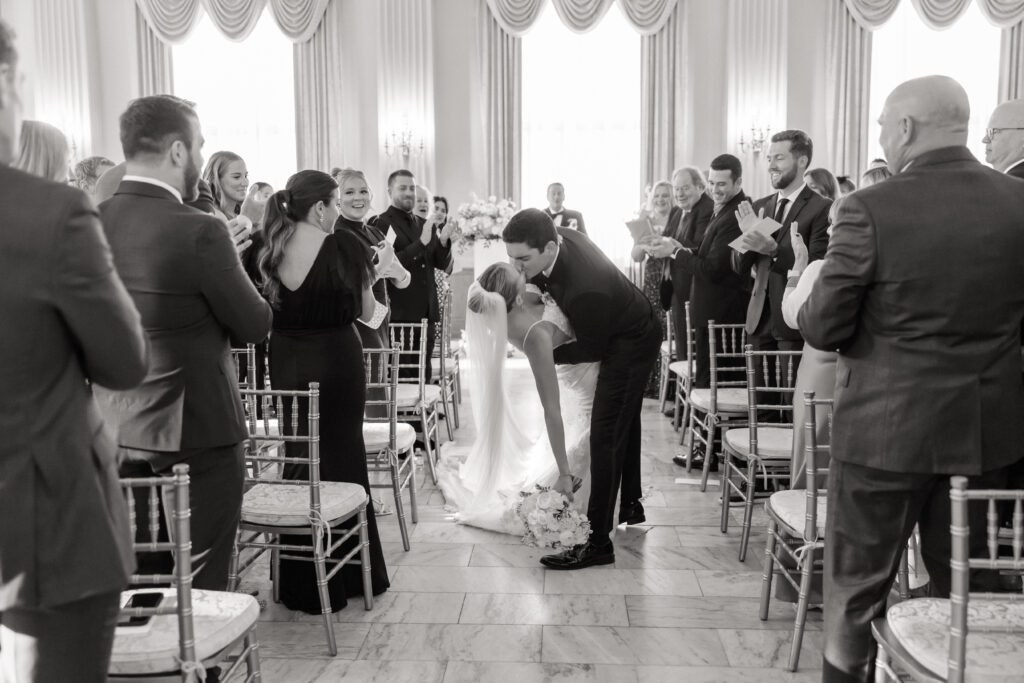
(550, 520)
(483, 219)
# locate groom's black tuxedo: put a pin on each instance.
(614, 323)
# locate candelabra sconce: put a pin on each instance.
(757, 142)
(404, 144)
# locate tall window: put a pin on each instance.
(581, 123)
(968, 51)
(244, 94)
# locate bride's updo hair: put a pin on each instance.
(500, 279)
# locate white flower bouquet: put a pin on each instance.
(550, 520)
(482, 219)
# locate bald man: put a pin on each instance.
(1004, 138)
(922, 293)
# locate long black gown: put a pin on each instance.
(314, 339)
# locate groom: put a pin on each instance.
(614, 324)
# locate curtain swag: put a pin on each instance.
(938, 14)
(172, 20)
(517, 16)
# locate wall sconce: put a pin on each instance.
(757, 142)
(403, 143)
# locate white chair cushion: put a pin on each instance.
(680, 367)
(730, 400)
(376, 434)
(665, 348)
(408, 395)
(220, 618)
(790, 507)
(772, 442)
(995, 636)
(288, 505)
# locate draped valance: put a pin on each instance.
(937, 14)
(517, 16)
(172, 20)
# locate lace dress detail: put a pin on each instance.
(552, 314)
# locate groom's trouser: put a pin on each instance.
(615, 426)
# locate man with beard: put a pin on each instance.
(183, 273)
(770, 258)
(420, 248)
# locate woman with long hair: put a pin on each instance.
(658, 210)
(228, 178)
(319, 283)
(43, 152)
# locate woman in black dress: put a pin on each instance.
(319, 284)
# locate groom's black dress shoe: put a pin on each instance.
(632, 513)
(587, 554)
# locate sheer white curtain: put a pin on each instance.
(244, 95)
(907, 47)
(581, 123)
(61, 86)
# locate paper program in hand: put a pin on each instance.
(765, 226)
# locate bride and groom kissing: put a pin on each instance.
(591, 339)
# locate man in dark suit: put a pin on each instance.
(1004, 138)
(65, 550)
(614, 323)
(687, 228)
(420, 248)
(182, 270)
(561, 216)
(770, 258)
(717, 292)
(928, 382)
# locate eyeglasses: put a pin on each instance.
(991, 132)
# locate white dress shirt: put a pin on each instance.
(154, 181)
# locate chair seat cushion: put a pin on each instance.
(995, 636)
(288, 505)
(772, 442)
(680, 367)
(730, 399)
(408, 395)
(219, 618)
(665, 347)
(790, 508)
(376, 434)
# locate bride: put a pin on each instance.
(503, 461)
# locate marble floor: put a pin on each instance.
(472, 605)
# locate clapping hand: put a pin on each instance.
(446, 231)
(746, 217)
(664, 247)
(240, 228)
(800, 255)
(385, 257)
(757, 242)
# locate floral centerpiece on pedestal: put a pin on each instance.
(482, 220)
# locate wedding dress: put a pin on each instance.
(503, 460)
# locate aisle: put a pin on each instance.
(469, 605)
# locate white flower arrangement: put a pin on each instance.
(550, 520)
(482, 219)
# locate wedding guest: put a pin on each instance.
(65, 551)
(657, 209)
(228, 179)
(883, 300)
(442, 277)
(355, 200)
(688, 227)
(1004, 138)
(421, 246)
(561, 216)
(87, 172)
(182, 270)
(260, 191)
(717, 292)
(844, 186)
(43, 152)
(823, 182)
(878, 170)
(107, 183)
(817, 369)
(423, 204)
(771, 257)
(319, 281)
